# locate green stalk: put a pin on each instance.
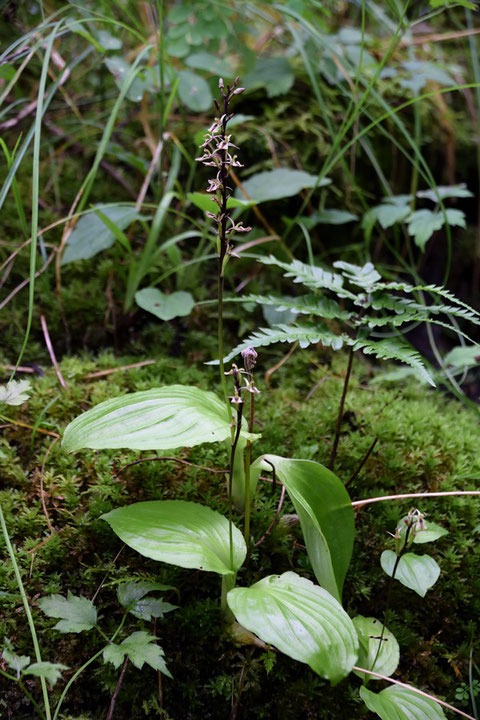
(28, 612)
(248, 462)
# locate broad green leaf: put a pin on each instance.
(14, 661)
(326, 516)
(399, 703)
(301, 619)
(333, 217)
(140, 649)
(369, 632)
(163, 418)
(15, 392)
(204, 202)
(149, 607)
(90, 235)
(165, 307)
(194, 91)
(108, 41)
(389, 214)
(445, 191)
(417, 572)
(203, 60)
(180, 533)
(431, 533)
(463, 356)
(50, 671)
(278, 184)
(77, 613)
(274, 74)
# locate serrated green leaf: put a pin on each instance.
(399, 703)
(278, 184)
(180, 533)
(166, 307)
(14, 661)
(326, 516)
(129, 593)
(157, 419)
(304, 305)
(393, 349)
(445, 191)
(77, 613)
(140, 649)
(149, 607)
(423, 223)
(194, 91)
(49, 671)
(417, 572)
(364, 276)
(371, 635)
(301, 619)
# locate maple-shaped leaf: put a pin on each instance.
(14, 661)
(77, 613)
(49, 671)
(15, 392)
(140, 648)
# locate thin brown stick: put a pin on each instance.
(104, 373)
(275, 518)
(359, 503)
(415, 690)
(29, 427)
(15, 252)
(51, 351)
(102, 582)
(362, 462)
(26, 281)
(276, 367)
(175, 459)
(315, 387)
(116, 691)
(438, 37)
(148, 176)
(20, 368)
(42, 489)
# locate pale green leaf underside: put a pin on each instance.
(301, 619)
(326, 516)
(399, 703)
(163, 306)
(417, 572)
(49, 671)
(157, 419)
(278, 184)
(369, 632)
(180, 533)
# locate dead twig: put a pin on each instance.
(110, 371)
(51, 351)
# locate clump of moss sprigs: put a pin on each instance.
(425, 443)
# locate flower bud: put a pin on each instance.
(249, 356)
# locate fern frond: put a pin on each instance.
(364, 276)
(311, 276)
(434, 289)
(392, 349)
(304, 305)
(303, 334)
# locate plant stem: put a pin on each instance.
(117, 690)
(333, 454)
(362, 462)
(221, 365)
(28, 612)
(32, 700)
(248, 462)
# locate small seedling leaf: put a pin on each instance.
(14, 661)
(371, 635)
(417, 572)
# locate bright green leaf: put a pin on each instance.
(278, 184)
(165, 307)
(132, 596)
(49, 671)
(431, 533)
(332, 216)
(194, 91)
(204, 202)
(140, 649)
(274, 74)
(301, 619)
(370, 635)
(179, 533)
(417, 572)
(463, 356)
(326, 516)
(77, 613)
(157, 419)
(423, 223)
(399, 703)
(212, 64)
